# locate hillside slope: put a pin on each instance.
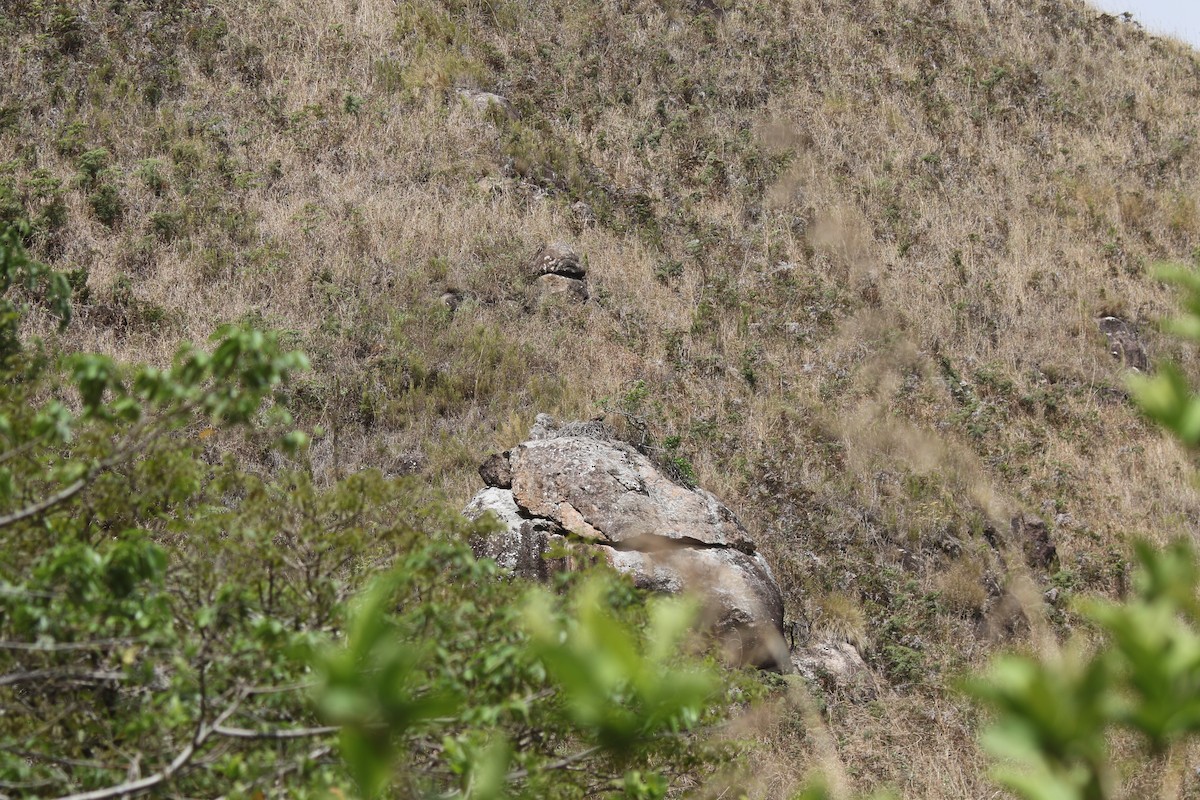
(847, 264)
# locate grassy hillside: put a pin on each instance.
(847, 260)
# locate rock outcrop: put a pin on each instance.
(560, 272)
(1036, 542)
(486, 101)
(575, 484)
(837, 667)
(1124, 343)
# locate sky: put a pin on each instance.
(1178, 18)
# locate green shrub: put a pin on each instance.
(160, 604)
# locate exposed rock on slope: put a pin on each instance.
(560, 272)
(573, 484)
(485, 101)
(1124, 343)
(836, 666)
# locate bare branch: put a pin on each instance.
(50, 502)
(285, 733)
(87, 675)
(562, 763)
(63, 647)
(22, 449)
(203, 734)
(25, 785)
(50, 759)
(137, 439)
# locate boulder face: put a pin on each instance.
(574, 484)
(1124, 343)
(610, 492)
(560, 272)
(555, 285)
(836, 666)
(558, 258)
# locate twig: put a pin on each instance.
(284, 733)
(291, 687)
(66, 762)
(51, 501)
(22, 448)
(59, 674)
(562, 763)
(62, 647)
(25, 785)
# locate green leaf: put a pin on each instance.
(369, 755)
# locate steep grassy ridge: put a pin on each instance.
(847, 260)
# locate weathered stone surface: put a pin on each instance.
(836, 666)
(558, 258)
(1034, 537)
(483, 101)
(521, 546)
(547, 427)
(583, 213)
(611, 492)
(498, 501)
(1124, 343)
(741, 600)
(544, 427)
(573, 484)
(554, 285)
(496, 471)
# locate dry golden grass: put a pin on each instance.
(960, 189)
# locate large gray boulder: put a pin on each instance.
(609, 491)
(574, 484)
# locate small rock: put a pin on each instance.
(496, 471)
(554, 285)
(408, 463)
(484, 101)
(780, 271)
(792, 328)
(491, 185)
(558, 259)
(452, 299)
(1051, 595)
(583, 213)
